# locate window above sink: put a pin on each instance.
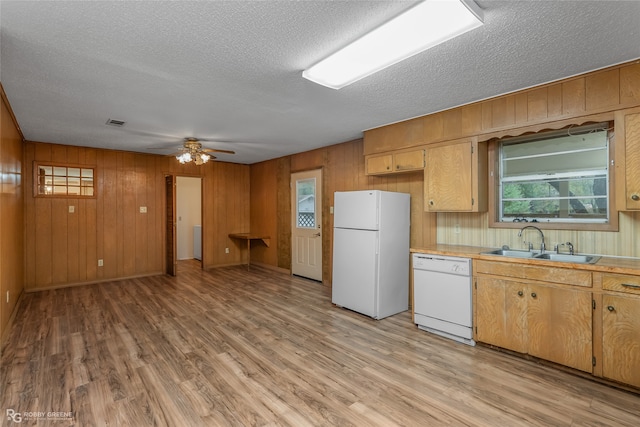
(561, 179)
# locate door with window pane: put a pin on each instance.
(306, 226)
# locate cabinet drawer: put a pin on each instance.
(621, 283)
(516, 270)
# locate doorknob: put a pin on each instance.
(316, 235)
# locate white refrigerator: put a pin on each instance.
(371, 252)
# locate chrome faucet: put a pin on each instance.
(568, 244)
(542, 245)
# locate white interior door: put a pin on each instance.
(306, 224)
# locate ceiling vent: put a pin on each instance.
(114, 122)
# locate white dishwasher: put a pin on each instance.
(442, 296)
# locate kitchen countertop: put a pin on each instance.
(605, 264)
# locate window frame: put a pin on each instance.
(494, 187)
(36, 193)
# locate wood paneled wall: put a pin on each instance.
(343, 170)
(597, 92)
(226, 210)
(11, 214)
(63, 248)
(264, 178)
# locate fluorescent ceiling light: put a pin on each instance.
(427, 24)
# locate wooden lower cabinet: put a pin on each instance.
(621, 338)
(552, 322)
(501, 313)
(559, 325)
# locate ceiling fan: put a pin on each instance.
(193, 151)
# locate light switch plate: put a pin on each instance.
(143, 209)
(72, 209)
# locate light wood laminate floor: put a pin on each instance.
(237, 347)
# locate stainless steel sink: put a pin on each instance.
(580, 259)
(549, 256)
(513, 253)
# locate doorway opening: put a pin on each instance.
(189, 218)
(183, 223)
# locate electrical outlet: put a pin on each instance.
(100, 263)
(143, 209)
(72, 209)
(456, 228)
(226, 250)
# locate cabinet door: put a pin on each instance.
(448, 178)
(379, 164)
(621, 339)
(559, 325)
(408, 160)
(632, 160)
(501, 313)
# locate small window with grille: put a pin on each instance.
(59, 180)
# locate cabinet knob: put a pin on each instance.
(388, 168)
(431, 202)
(611, 308)
(635, 197)
(520, 293)
(534, 295)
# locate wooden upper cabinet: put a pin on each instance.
(403, 161)
(379, 164)
(408, 160)
(455, 178)
(627, 155)
(397, 136)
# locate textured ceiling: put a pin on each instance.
(231, 71)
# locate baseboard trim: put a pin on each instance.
(92, 282)
(12, 318)
(272, 267)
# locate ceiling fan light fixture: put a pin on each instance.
(200, 158)
(425, 25)
(192, 151)
(184, 157)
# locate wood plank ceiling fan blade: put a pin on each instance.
(215, 150)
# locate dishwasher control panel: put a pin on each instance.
(442, 264)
